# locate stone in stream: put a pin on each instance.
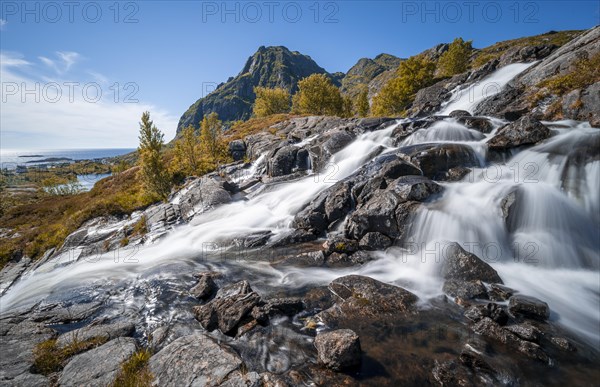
(527, 306)
(359, 296)
(339, 349)
(198, 360)
(462, 265)
(489, 328)
(231, 304)
(204, 288)
(99, 366)
(524, 131)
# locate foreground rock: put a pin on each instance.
(99, 366)
(231, 304)
(338, 349)
(524, 131)
(527, 306)
(359, 296)
(108, 331)
(198, 360)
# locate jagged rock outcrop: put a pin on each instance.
(269, 67)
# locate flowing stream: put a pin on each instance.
(550, 250)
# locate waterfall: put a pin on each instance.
(548, 246)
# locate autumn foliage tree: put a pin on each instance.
(456, 59)
(271, 101)
(362, 102)
(318, 95)
(187, 156)
(154, 173)
(395, 96)
(213, 146)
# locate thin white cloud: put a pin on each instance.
(57, 121)
(100, 78)
(65, 60)
(3, 24)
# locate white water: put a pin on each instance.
(552, 252)
(468, 98)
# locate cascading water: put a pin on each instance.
(550, 248)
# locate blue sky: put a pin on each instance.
(165, 55)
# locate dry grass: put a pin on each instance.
(134, 372)
(49, 358)
(43, 222)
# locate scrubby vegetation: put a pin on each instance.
(154, 173)
(134, 372)
(395, 97)
(271, 101)
(497, 50)
(585, 72)
(456, 59)
(318, 95)
(50, 358)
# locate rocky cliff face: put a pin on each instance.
(268, 67)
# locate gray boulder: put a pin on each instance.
(527, 306)
(524, 131)
(99, 366)
(338, 349)
(108, 331)
(197, 360)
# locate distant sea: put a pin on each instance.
(10, 158)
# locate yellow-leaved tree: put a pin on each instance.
(456, 59)
(214, 147)
(154, 173)
(395, 96)
(362, 102)
(318, 95)
(271, 101)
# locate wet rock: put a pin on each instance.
(376, 215)
(435, 160)
(563, 344)
(195, 360)
(204, 288)
(457, 173)
(318, 298)
(466, 290)
(340, 245)
(398, 168)
(254, 240)
(450, 373)
(364, 296)
(277, 307)
(414, 188)
(11, 272)
(294, 237)
(459, 113)
(310, 259)
(231, 304)
(338, 260)
(491, 310)
(203, 193)
(461, 265)
(498, 292)
(375, 241)
(66, 314)
(481, 124)
(286, 160)
(526, 130)
(237, 149)
(525, 331)
(339, 202)
(489, 328)
(527, 306)
(108, 331)
(99, 366)
(339, 349)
